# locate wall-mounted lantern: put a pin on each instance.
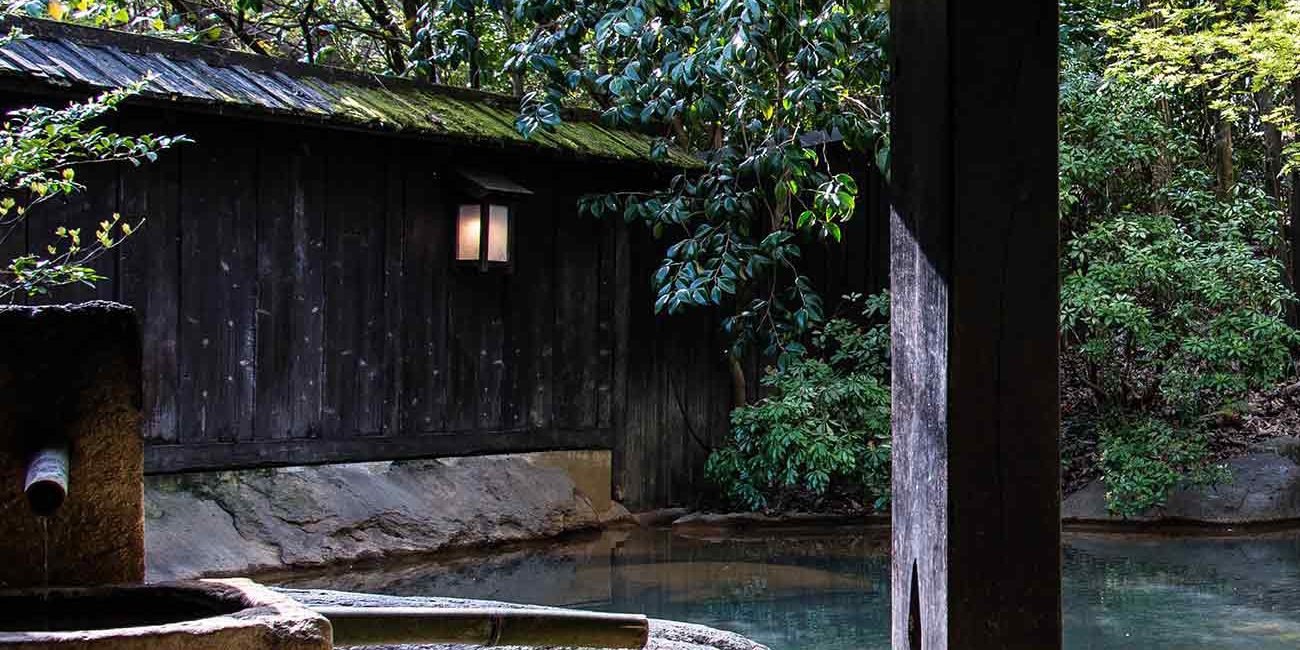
(485, 226)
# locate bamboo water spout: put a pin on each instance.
(372, 626)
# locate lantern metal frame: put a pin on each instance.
(483, 264)
(487, 189)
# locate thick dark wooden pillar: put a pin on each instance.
(976, 548)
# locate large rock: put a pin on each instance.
(664, 635)
(230, 523)
(1265, 488)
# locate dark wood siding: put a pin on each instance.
(299, 306)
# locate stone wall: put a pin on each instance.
(71, 374)
(238, 523)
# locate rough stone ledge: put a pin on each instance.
(661, 517)
(1264, 491)
(245, 522)
(664, 635)
(244, 616)
(758, 520)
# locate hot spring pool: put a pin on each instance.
(829, 589)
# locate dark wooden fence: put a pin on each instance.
(298, 306)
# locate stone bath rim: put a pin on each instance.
(254, 615)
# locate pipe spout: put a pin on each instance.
(46, 485)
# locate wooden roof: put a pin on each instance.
(71, 57)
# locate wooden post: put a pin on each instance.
(976, 540)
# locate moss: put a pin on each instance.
(419, 110)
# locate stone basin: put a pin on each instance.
(205, 615)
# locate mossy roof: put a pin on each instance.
(70, 56)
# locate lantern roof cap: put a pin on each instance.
(482, 184)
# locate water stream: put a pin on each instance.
(45, 570)
(829, 589)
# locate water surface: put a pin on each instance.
(829, 589)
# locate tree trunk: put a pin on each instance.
(1274, 187)
(516, 76)
(739, 383)
(475, 71)
(1272, 147)
(1223, 155)
(1294, 230)
(411, 18)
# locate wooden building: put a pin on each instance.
(297, 279)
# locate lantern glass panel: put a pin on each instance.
(469, 229)
(498, 244)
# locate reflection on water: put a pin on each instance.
(829, 589)
(1240, 592)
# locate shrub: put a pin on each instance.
(1172, 294)
(825, 419)
(1146, 457)
(1179, 313)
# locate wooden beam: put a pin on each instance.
(170, 459)
(976, 546)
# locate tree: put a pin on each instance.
(758, 88)
(454, 42)
(1242, 59)
(823, 423)
(1230, 52)
(1172, 293)
(469, 40)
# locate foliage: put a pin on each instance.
(825, 419)
(455, 42)
(366, 35)
(40, 149)
(1168, 294)
(1169, 313)
(1085, 25)
(469, 39)
(1228, 51)
(1145, 457)
(1113, 143)
(751, 85)
(1173, 295)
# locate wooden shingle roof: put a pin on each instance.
(75, 58)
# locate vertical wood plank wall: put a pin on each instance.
(298, 305)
